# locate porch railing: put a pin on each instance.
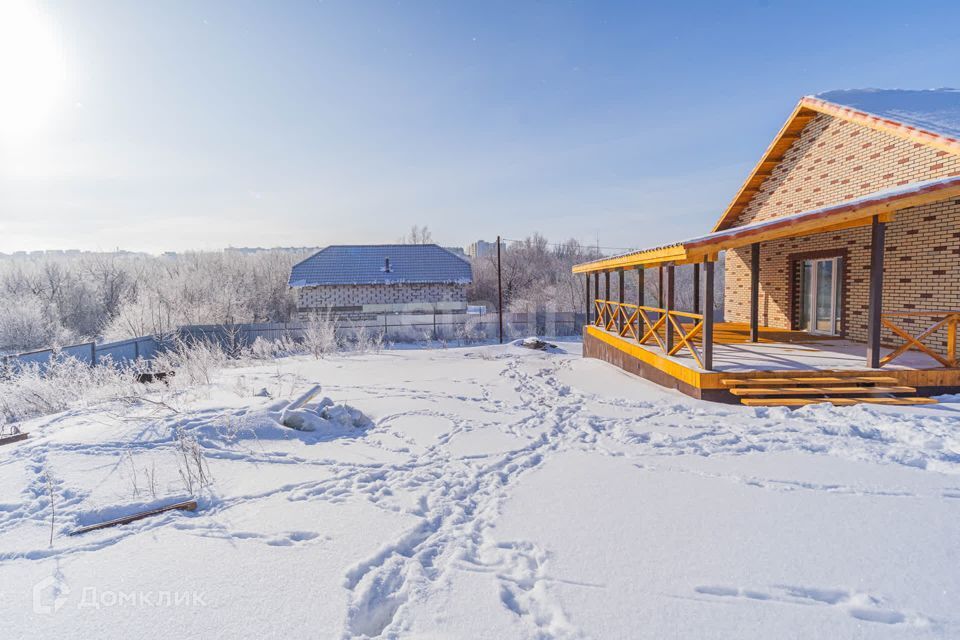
(941, 319)
(645, 324)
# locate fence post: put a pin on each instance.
(952, 339)
(93, 354)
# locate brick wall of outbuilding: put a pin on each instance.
(338, 297)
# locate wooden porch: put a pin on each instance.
(771, 367)
(689, 351)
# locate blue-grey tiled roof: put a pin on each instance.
(364, 264)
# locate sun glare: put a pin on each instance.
(32, 69)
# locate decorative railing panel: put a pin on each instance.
(649, 324)
(940, 319)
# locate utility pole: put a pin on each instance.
(499, 291)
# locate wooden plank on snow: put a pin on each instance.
(186, 505)
(17, 437)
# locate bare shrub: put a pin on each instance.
(194, 362)
(53, 508)
(265, 349)
(191, 462)
(320, 334)
(150, 473)
(470, 332)
(134, 484)
(36, 389)
(367, 340)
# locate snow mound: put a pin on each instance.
(325, 417)
(534, 342)
(933, 110)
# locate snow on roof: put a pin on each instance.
(367, 264)
(720, 240)
(871, 199)
(933, 110)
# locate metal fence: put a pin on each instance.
(90, 352)
(399, 328)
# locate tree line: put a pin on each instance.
(64, 299)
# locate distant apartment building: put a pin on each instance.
(364, 281)
(482, 248)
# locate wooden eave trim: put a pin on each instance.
(788, 134)
(835, 218)
(839, 217)
(652, 257)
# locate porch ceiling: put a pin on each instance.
(852, 213)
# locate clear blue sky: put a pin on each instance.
(174, 125)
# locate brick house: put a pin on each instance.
(848, 228)
(835, 148)
(364, 281)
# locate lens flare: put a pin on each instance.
(32, 69)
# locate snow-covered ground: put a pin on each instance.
(499, 492)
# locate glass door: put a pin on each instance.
(820, 296)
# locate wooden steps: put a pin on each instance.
(840, 402)
(809, 380)
(839, 391)
(822, 391)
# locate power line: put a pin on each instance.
(582, 244)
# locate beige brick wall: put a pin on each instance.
(835, 161)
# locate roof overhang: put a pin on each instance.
(845, 215)
(803, 113)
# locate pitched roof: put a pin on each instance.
(365, 264)
(936, 111)
(930, 117)
(856, 212)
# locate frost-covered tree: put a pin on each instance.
(418, 235)
(63, 299)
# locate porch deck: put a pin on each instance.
(779, 353)
(786, 350)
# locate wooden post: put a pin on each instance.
(621, 301)
(640, 285)
(755, 292)
(708, 316)
(586, 279)
(596, 289)
(696, 288)
(877, 238)
(640, 298)
(669, 305)
(499, 293)
(660, 288)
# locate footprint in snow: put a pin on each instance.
(861, 606)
